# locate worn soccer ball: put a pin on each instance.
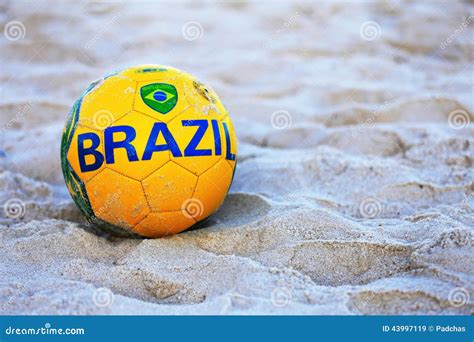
(148, 151)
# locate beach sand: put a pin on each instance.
(354, 187)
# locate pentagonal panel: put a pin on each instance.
(134, 164)
(201, 96)
(164, 224)
(117, 199)
(162, 99)
(85, 153)
(168, 187)
(230, 142)
(109, 100)
(150, 72)
(200, 138)
(211, 189)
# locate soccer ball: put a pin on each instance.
(148, 151)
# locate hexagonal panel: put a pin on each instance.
(117, 199)
(210, 143)
(144, 103)
(164, 224)
(150, 72)
(167, 188)
(89, 158)
(143, 126)
(233, 144)
(201, 96)
(212, 187)
(107, 102)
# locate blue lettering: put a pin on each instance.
(190, 150)
(110, 145)
(217, 137)
(83, 152)
(170, 145)
(228, 155)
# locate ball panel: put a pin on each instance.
(141, 168)
(201, 96)
(78, 192)
(167, 188)
(164, 224)
(211, 189)
(74, 182)
(109, 100)
(117, 199)
(68, 132)
(150, 72)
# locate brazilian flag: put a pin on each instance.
(161, 97)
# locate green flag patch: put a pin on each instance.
(161, 97)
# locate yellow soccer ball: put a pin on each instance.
(148, 151)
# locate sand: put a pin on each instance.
(354, 187)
